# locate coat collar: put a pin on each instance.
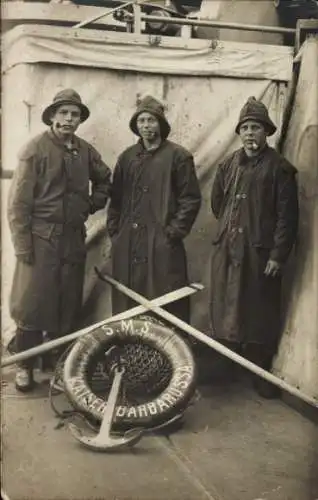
(246, 160)
(142, 151)
(75, 142)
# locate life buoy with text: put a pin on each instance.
(159, 378)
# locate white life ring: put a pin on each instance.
(146, 333)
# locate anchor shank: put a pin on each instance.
(111, 403)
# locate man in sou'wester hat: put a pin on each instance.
(254, 198)
(49, 203)
(155, 201)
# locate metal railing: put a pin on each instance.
(137, 17)
(214, 24)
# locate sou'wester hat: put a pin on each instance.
(66, 96)
(256, 110)
(151, 105)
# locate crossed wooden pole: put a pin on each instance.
(130, 313)
(193, 332)
(155, 306)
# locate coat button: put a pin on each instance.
(240, 230)
(139, 260)
(244, 196)
(145, 189)
(238, 196)
(135, 225)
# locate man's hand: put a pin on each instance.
(26, 258)
(272, 268)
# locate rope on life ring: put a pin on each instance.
(159, 379)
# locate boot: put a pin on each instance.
(265, 389)
(49, 359)
(26, 339)
(24, 380)
(262, 356)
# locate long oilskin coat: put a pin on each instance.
(48, 206)
(256, 204)
(155, 200)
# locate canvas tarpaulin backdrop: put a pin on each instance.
(297, 361)
(203, 87)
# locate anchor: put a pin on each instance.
(105, 440)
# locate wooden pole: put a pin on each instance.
(193, 332)
(135, 311)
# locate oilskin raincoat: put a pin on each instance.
(49, 203)
(256, 204)
(155, 201)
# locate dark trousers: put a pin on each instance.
(259, 354)
(26, 339)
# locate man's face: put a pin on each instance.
(66, 120)
(148, 127)
(253, 136)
